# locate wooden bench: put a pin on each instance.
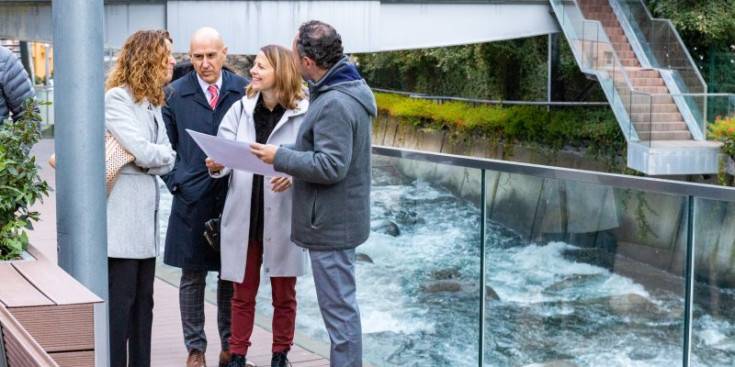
(52, 307)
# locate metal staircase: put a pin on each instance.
(653, 86)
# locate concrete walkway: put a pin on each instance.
(168, 342)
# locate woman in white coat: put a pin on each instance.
(133, 116)
(256, 222)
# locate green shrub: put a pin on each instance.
(593, 128)
(20, 184)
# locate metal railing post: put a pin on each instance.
(483, 291)
(689, 286)
(81, 200)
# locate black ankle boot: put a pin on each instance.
(279, 359)
(237, 360)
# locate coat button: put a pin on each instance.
(267, 270)
(268, 209)
(268, 239)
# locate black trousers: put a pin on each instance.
(131, 311)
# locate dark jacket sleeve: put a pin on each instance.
(15, 84)
(169, 119)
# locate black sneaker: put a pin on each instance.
(237, 360)
(279, 359)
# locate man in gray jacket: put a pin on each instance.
(15, 85)
(330, 165)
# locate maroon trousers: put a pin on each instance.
(243, 306)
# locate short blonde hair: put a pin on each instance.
(288, 80)
(142, 66)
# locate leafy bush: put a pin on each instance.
(723, 130)
(20, 184)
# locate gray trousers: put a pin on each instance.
(191, 304)
(334, 280)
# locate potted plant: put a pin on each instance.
(20, 183)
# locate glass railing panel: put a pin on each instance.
(641, 117)
(713, 323)
(418, 275)
(664, 47)
(582, 274)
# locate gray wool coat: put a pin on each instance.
(281, 257)
(132, 207)
(330, 163)
(15, 85)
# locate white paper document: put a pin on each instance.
(232, 154)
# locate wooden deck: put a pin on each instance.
(168, 342)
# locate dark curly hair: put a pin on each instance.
(320, 42)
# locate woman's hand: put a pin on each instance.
(280, 184)
(213, 166)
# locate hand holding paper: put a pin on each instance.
(232, 154)
(267, 153)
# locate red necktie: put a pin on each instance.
(213, 91)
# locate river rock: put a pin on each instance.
(385, 227)
(443, 274)
(408, 218)
(575, 281)
(456, 286)
(363, 257)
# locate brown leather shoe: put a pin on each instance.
(196, 359)
(224, 358)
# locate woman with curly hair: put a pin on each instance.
(133, 116)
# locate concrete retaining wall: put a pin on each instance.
(647, 227)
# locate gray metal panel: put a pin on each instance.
(409, 26)
(26, 22)
(247, 26)
(121, 20)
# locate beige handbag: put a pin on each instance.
(115, 158)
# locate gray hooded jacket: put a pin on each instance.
(330, 163)
(15, 86)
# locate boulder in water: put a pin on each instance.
(385, 227)
(363, 257)
(456, 286)
(443, 274)
(408, 218)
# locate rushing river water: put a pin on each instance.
(418, 293)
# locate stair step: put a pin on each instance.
(638, 99)
(643, 73)
(653, 89)
(628, 63)
(614, 31)
(664, 135)
(618, 39)
(600, 15)
(660, 126)
(656, 117)
(622, 46)
(646, 82)
(654, 108)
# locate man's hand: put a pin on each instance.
(266, 153)
(213, 166)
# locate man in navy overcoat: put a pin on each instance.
(198, 101)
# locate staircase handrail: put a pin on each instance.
(673, 31)
(628, 131)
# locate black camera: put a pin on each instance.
(211, 232)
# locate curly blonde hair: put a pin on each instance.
(142, 66)
(288, 80)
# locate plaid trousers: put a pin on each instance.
(191, 304)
